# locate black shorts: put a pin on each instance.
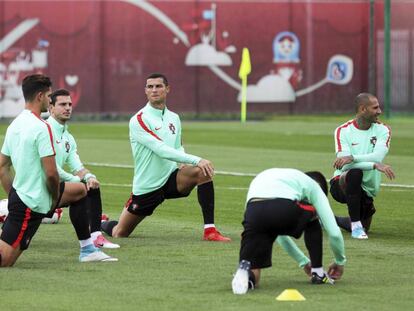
(264, 221)
(21, 224)
(145, 204)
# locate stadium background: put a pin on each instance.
(103, 50)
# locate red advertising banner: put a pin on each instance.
(305, 56)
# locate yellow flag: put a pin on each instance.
(245, 66)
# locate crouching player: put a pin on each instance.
(287, 202)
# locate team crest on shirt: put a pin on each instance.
(373, 140)
(67, 147)
(172, 128)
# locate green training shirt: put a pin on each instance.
(367, 147)
(155, 137)
(28, 139)
(66, 151)
(292, 184)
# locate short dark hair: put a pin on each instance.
(34, 84)
(320, 179)
(362, 99)
(58, 92)
(156, 75)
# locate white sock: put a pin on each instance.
(86, 242)
(319, 271)
(356, 224)
(95, 234)
(206, 226)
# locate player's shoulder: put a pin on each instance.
(345, 126)
(142, 117)
(382, 126)
(172, 113)
(34, 123)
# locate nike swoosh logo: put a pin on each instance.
(158, 128)
(354, 144)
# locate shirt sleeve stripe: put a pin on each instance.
(50, 132)
(389, 136)
(338, 134)
(145, 128)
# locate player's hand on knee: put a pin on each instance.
(335, 271)
(92, 183)
(341, 161)
(206, 167)
(386, 169)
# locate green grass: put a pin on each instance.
(164, 265)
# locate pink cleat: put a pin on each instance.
(101, 242)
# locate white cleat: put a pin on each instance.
(97, 256)
(359, 233)
(240, 283)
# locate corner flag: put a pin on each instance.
(244, 71)
(245, 66)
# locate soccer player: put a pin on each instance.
(361, 145)
(287, 202)
(60, 109)
(155, 136)
(34, 190)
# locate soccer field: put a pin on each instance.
(165, 265)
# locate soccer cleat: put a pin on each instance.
(91, 254)
(104, 217)
(240, 283)
(359, 233)
(325, 279)
(211, 234)
(102, 242)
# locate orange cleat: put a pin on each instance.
(211, 234)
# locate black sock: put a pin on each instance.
(94, 209)
(205, 193)
(354, 193)
(107, 226)
(252, 280)
(313, 242)
(79, 218)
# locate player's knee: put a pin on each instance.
(201, 178)
(6, 260)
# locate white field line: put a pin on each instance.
(217, 172)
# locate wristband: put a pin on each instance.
(87, 176)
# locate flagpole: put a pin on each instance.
(213, 23)
(243, 113)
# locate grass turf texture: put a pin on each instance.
(164, 265)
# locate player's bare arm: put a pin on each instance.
(52, 178)
(5, 172)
